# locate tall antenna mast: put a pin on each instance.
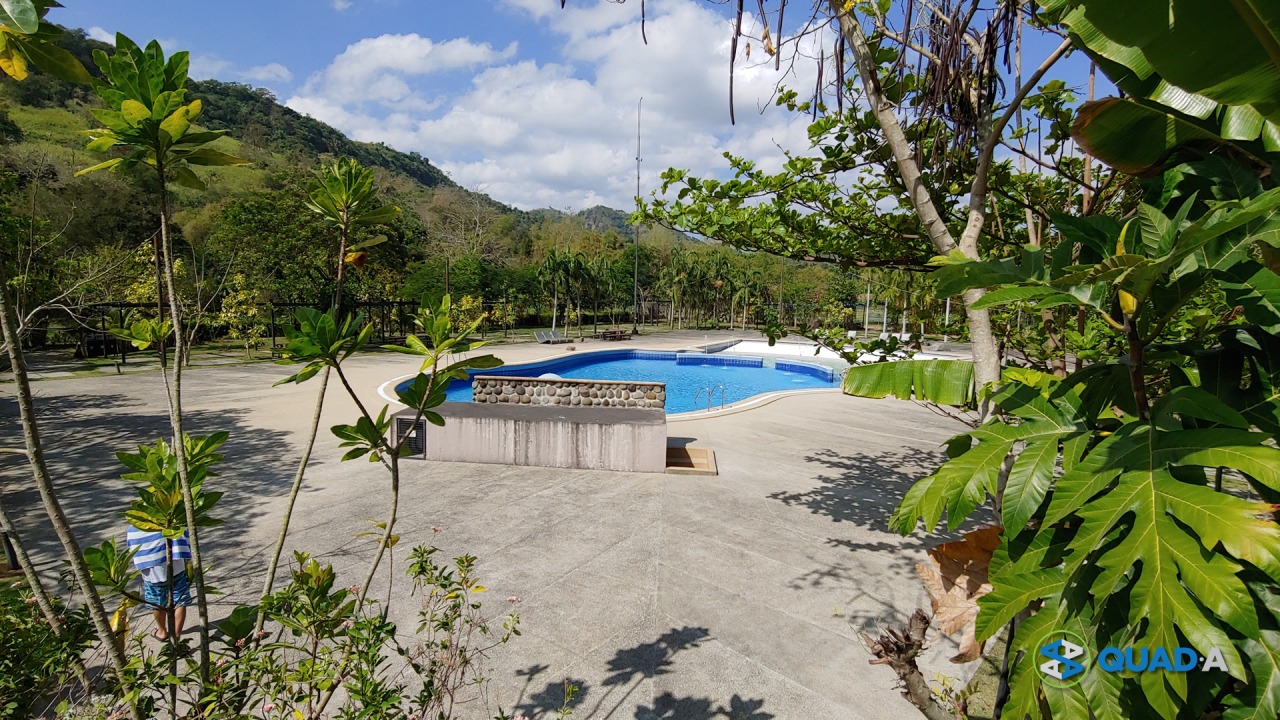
(635, 314)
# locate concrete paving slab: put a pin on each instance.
(738, 595)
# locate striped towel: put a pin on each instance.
(150, 548)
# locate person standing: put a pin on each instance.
(149, 558)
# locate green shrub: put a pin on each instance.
(34, 662)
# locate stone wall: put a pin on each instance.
(571, 393)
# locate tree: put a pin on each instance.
(147, 114)
(342, 194)
(243, 315)
(554, 271)
(459, 224)
(1159, 531)
(921, 86)
(25, 38)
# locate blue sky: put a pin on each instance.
(529, 103)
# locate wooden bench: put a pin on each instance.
(614, 335)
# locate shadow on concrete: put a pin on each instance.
(862, 488)
(81, 435)
(628, 670)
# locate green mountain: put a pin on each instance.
(255, 117)
(250, 230)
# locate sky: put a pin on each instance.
(529, 103)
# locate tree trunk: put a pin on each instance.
(175, 421)
(155, 249)
(171, 625)
(318, 711)
(48, 496)
(898, 648)
(986, 361)
(29, 572)
(555, 305)
(268, 582)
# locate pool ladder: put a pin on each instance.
(711, 393)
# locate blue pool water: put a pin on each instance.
(684, 374)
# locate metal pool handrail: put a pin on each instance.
(710, 391)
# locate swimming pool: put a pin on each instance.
(684, 373)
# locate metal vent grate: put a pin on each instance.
(415, 441)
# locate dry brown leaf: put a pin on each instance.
(955, 578)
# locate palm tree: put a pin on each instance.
(720, 278)
(552, 271)
(598, 279)
(672, 279)
(576, 273)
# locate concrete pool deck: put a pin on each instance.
(662, 596)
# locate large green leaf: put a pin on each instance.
(1260, 699)
(1163, 49)
(946, 382)
(1013, 594)
(1155, 52)
(957, 273)
(20, 15)
(1028, 483)
(1135, 138)
(1131, 530)
(1255, 288)
(52, 59)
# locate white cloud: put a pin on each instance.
(561, 132)
(271, 72)
(204, 67)
(101, 35)
(340, 5)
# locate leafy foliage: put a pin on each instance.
(946, 382)
(1108, 482)
(160, 505)
(319, 339)
(1176, 99)
(147, 112)
(35, 661)
(27, 40)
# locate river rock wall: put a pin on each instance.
(569, 393)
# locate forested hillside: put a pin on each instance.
(250, 238)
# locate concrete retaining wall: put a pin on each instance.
(594, 438)
(490, 389)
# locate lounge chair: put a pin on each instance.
(556, 337)
(541, 336)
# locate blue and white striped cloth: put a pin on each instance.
(150, 548)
